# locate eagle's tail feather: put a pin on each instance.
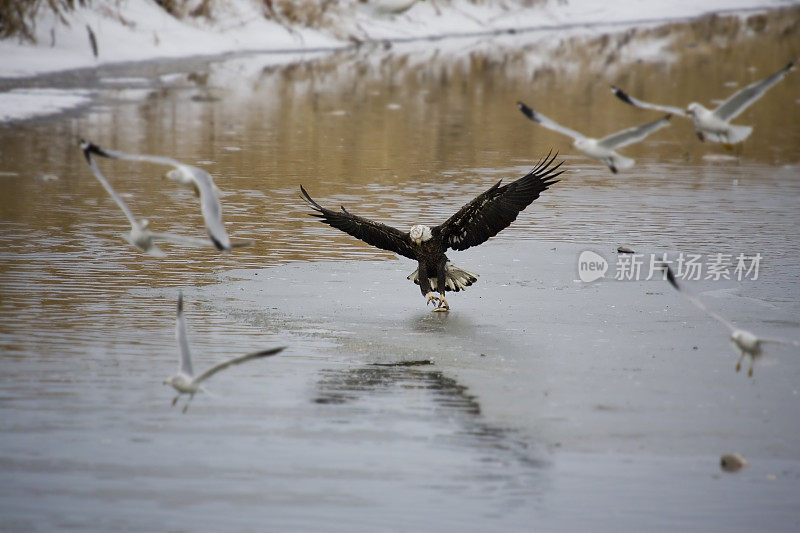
(456, 279)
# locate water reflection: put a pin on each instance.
(432, 323)
(412, 392)
(337, 387)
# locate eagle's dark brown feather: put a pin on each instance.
(491, 212)
(373, 233)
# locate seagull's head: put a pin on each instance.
(694, 109)
(420, 233)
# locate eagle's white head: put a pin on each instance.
(420, 233)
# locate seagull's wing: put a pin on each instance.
(114, 154)
(235, 361)
(632, 135)
(547, 123)
(183, 341)
(628, 99)
(492, 211)
(696, 301)
(87, 152)
(740, 100)
(211, 207)
(182, 239)
(373, 233)
(781, 341)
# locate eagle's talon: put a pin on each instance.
(433, 298)
(442, 306)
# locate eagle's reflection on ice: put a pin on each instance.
(453, 324)
(426, 404)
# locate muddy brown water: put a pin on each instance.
(322, 437)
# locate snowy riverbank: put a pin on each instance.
(138, 30)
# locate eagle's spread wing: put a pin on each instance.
(373, 233)
(492, 211)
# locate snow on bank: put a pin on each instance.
(139, 30)
(136, 30)
(19, 104)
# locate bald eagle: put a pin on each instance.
(482, 218)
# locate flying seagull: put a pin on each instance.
(601, 149)
(139, 236)
(477, 221)
(185, 382)
(714, 125)
(195, 177)
(748, 343)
